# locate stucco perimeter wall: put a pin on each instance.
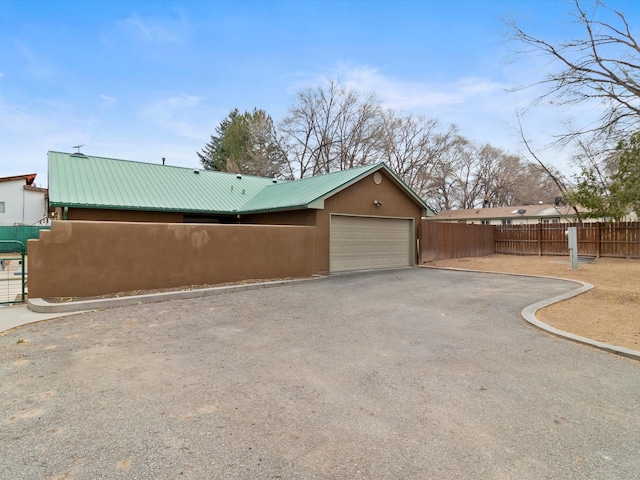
(77, 258)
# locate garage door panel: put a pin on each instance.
(359, 243)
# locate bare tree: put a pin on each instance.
(499, 175)
(442, 191)
(412, 146)
(601, 69)
(330, 129)
(534, 186)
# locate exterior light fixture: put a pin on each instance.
(377, 203)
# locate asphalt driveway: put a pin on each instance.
(408, 374)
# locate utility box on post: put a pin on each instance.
(572, 237)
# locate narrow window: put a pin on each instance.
(1, 207)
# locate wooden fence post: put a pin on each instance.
(540, 238)
(598, 239)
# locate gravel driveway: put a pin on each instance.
(407, 374)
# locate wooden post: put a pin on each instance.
(598, 239)
(540, 238)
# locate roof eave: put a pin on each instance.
(288, 208)
(141, 208)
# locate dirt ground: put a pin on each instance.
(610, 312)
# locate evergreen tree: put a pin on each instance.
(244, 143)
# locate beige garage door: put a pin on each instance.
(359, 243)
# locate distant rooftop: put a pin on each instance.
(528, 211)
(28, 178)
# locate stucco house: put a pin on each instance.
(514, 215)
(21, 202)
(365, 218)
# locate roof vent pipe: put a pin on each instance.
(163, 160)
(196, 171)
(239, 177)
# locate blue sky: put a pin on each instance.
(143, 80)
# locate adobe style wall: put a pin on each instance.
(81, 259)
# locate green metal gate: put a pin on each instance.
(13, 272)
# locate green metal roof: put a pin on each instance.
(303, 193)
(311, 192)
(97, 182)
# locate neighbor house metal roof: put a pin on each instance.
(97, 182)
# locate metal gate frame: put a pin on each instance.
(23, 283)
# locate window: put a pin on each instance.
(486, 222)
(506, 221)
(1, 207)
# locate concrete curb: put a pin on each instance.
(529, 313)
(42, 306)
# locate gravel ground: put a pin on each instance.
(413, 373)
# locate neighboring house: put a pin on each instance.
(366, 217)
(21, 202)
(517, 215)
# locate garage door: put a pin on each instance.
(359, 243)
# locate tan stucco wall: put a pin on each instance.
(78, 258)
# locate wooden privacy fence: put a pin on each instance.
(440, 240)
(620, 239)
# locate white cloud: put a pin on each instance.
(407, 95)
(155, 29)
(177, 113)
(28, 132)
(106, 101)
(35, 65)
